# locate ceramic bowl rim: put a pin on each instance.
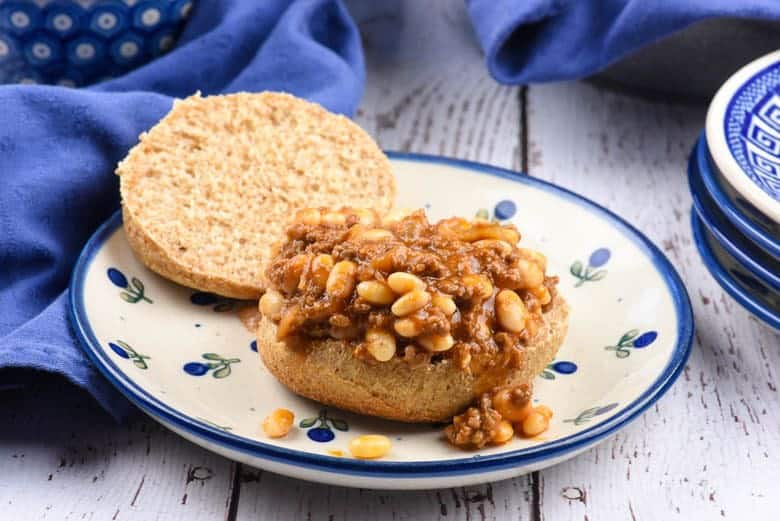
(716, 137)
(701, 204)
(419, 469)
(737, 217)
(724, 278)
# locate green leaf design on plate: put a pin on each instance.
(127, 297)
(134, 356)
(222, 372)
(597, 275)
(576, 269)
(339, 424)
(124, 345)
(225, 305)
(215, 425)
(626, 343)
(588, 414)
(307, 422)
(133, 292)
(628, 336)
(211, 356)
(140, 363)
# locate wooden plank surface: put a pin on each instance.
(428, 90)
(67, 460)
(710, 449)
(265, 496)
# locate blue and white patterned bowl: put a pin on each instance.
(743, 133)
(745, 271)
(185, 358)
(78, 42)
(754, 225)
(742, 284)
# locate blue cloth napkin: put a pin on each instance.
(59, 147)
(545, 40)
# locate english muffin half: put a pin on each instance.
(208, 189)
(327, 371)
(403, 318)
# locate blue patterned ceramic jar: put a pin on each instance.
(743, 134)
(79, 42)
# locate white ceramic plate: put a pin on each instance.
(186, 359)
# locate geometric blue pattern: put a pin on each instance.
(752, 128)
(79, 42)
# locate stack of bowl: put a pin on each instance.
(734, 176)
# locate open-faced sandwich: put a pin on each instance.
(378, 312)
(409, 320)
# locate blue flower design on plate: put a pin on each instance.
(503, 210)
(323, 433)
(560, 367)
(123, 350)
(591, 271)
(632, 339)
(253, 345)
(133, 290)
(221, 304)
(214, 362)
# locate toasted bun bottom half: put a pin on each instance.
(326, 371)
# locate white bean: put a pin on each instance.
(410, 302)
(380, 344)
(511, 311)
(402, 282)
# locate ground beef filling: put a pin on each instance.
(476, 427)
(496, 417)
(406, 288)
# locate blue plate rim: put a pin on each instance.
(700, 199)
(734, 214)
(420, 469)
(724, 279)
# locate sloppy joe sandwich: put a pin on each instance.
(208, 189)
(385, 314)
(410, 320)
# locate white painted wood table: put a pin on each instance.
(708, 450)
